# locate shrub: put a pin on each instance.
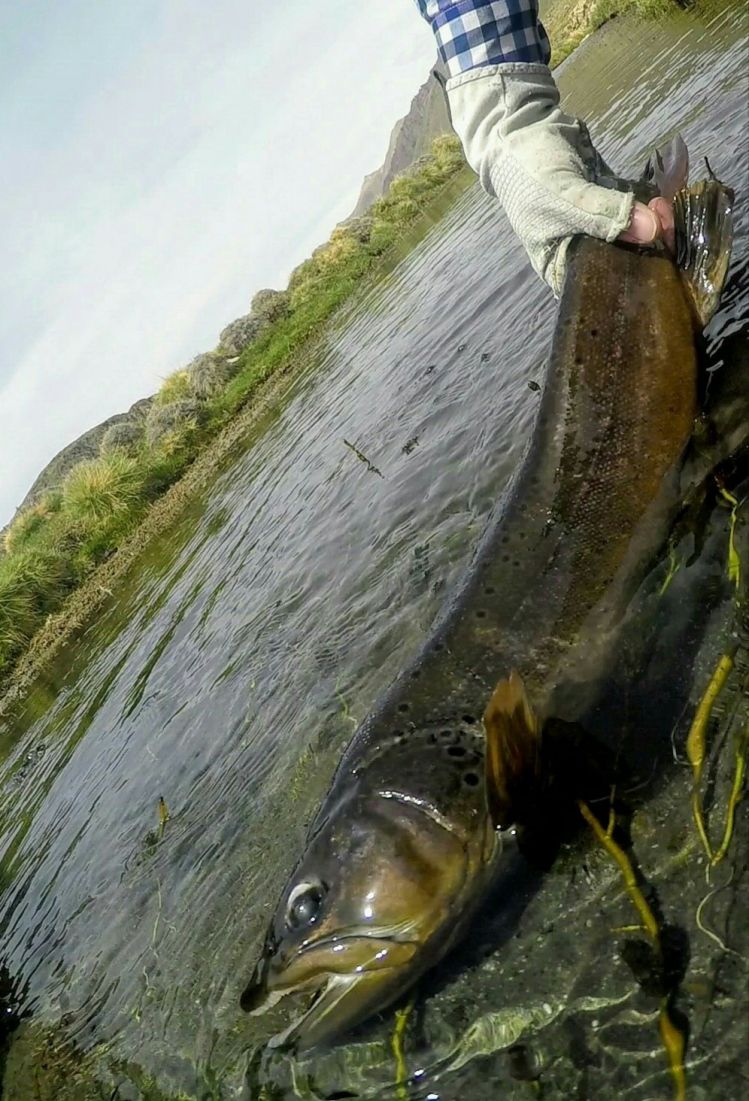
(125, 436)
(360, 228)
(239, 334)
(269, 305)
(178, 416)
(97, 488)
(209, 374)
(448, 153)
(42, 570)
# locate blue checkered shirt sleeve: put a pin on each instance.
(470, 33)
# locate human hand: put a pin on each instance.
(651, 223)
(542, 166)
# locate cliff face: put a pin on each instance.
(412, 136)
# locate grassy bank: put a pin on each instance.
(65, 540)
(568, 22)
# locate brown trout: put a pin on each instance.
(414, 827)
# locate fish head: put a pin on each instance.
(376, 899)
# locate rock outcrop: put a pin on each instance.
(412, 137)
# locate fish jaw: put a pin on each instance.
(351, 977)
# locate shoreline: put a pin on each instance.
(83, 602)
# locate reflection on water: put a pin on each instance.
(229, 672)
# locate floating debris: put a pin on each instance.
(363, 458)
(152, 838)
(163, 815)
(532, 385)
(409, 445)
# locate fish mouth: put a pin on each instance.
(351, 975)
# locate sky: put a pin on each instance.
(160, 161)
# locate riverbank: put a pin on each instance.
(568, 24)
(68, 552)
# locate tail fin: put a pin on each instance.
(703, 223)
(668, 167)
(513, 742)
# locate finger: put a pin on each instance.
(644, 226)
(664, 212)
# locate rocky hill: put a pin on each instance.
(412, 136)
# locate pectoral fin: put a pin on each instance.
(513, 742)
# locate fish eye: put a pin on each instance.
(304, 904)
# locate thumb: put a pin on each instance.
(650, 223)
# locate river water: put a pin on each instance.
(226, 675)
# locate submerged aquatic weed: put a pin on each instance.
(401, 1070)
(673, 1038)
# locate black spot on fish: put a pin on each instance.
(456, 751)
(403, 707)
(594, 332)
(471, 779)
(438, 647)
(446, 733)
(489, 590)
(415, 674)
(469, 718)
(480, 613)
(432, 739)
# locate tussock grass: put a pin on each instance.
(175, 387)
(99, 488)
(31, 520)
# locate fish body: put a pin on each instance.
(421, 808)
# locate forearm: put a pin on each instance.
(527, 151)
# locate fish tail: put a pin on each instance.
(703, 224)
(667, 168)
(513, 742)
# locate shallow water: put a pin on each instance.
(230, 670)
